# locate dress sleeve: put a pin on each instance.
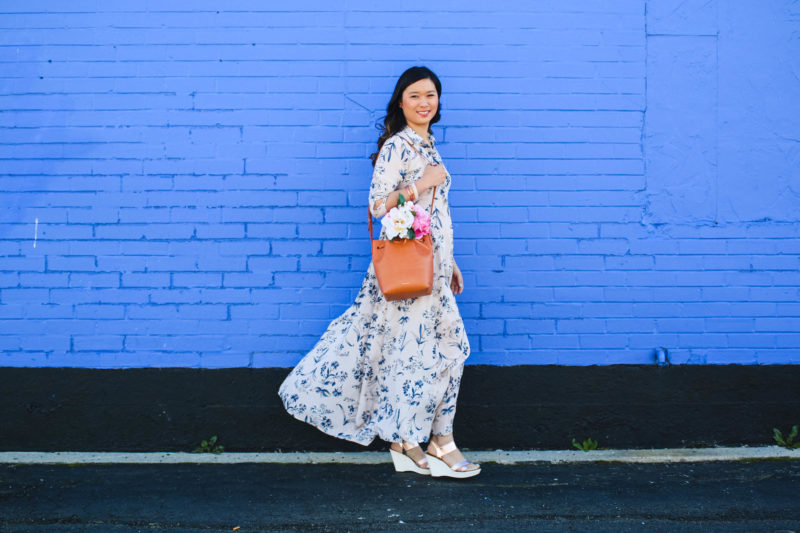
(387, 175)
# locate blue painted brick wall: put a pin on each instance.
(183, 183)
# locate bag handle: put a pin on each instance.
(369, 213)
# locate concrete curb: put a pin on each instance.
(666, 455)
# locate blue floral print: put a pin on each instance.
(390, 369)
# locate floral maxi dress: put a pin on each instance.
(389, 368)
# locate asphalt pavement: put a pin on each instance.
(730, 496)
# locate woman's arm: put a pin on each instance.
(394, 197)
(388, 174)
(457, 280)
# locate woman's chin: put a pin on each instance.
(419, 121)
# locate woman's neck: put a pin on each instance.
(422, 132)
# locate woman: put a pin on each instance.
(392, 369)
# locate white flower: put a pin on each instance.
(397, 221)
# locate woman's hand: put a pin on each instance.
(457, 281)
(433, 175)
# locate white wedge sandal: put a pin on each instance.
(441, 469)
(404, 463)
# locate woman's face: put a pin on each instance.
(420, 102)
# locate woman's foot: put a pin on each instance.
(413, 452)
(443, 448)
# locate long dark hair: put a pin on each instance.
(395, 120)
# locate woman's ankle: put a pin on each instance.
(404, 446)
(441, 440)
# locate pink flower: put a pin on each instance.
(421, 224)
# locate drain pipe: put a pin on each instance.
(662, 356)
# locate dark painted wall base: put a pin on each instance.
(511, 407)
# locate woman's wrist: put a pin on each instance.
(408, 192)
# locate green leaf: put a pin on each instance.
(204, 444)
(401, 200)
(212, 440)
(411, 233)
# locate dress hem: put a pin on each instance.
(339, 436)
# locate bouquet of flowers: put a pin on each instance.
(406, 221)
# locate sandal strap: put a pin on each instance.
(405, 446)
(422, 463)
(440, 451)
(444, 450)
(457, 467)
